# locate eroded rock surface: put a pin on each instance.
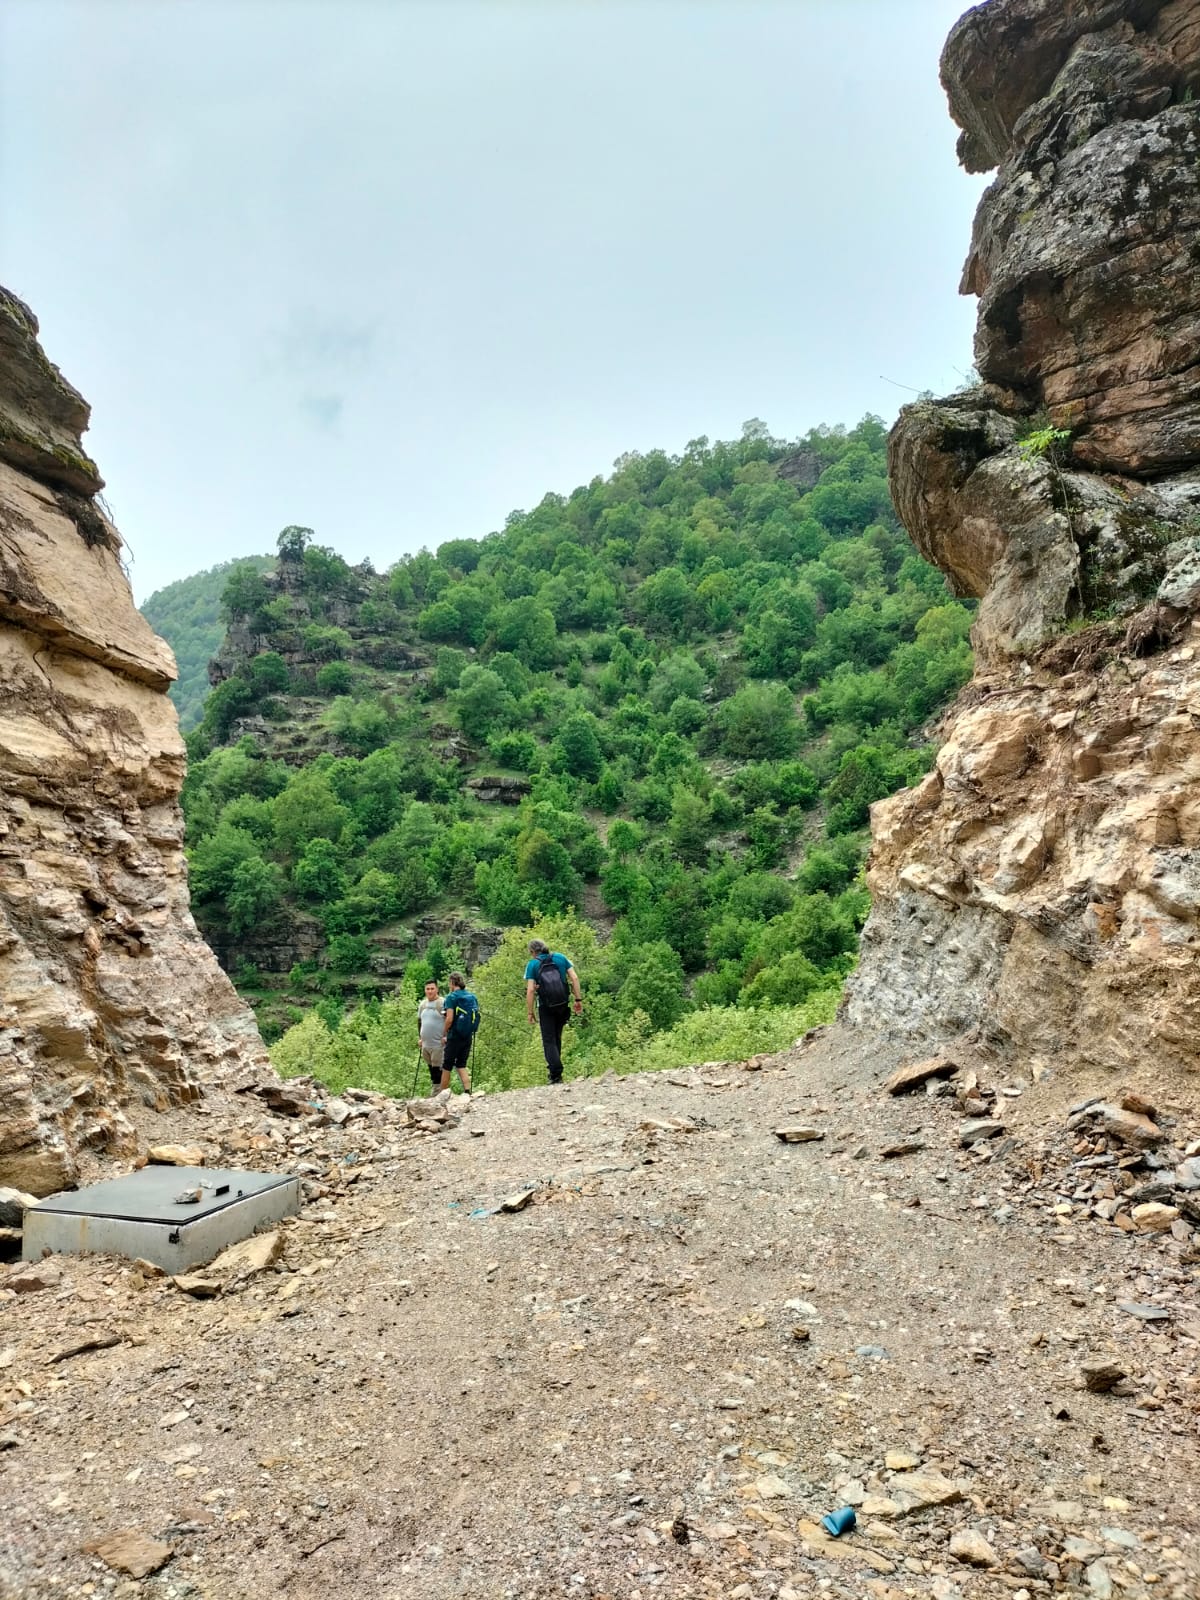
(109, 998)
(1040, 890)
(1083, 252)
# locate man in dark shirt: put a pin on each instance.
(547, 974)
(458, 1044)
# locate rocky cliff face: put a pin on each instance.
(1041, 888)
(109, 998)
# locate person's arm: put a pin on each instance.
(530, 993)
(573, 980)
(449, 1023)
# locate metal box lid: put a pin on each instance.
(151, 1194)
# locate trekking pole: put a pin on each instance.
(416, 1072)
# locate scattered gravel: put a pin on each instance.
(651, 1378)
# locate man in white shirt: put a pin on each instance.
(431, 1030)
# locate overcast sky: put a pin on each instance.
(391, 269)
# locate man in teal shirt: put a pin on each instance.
(547, 974)
(457, 1048)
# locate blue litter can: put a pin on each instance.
(840, 1521)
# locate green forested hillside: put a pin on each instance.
(188, 615)
(692, 677)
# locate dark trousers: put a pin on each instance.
(552, 1020)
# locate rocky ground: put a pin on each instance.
(653, 1375)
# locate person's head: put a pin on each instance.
(457, 981)
(538, 947)
(431, 989)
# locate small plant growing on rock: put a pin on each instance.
(1048, 441)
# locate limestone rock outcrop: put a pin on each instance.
(109, 998)
(1083, 251)
(1040, 889)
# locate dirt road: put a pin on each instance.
(650, 1380)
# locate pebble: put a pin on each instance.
(1100, 1373)
(979, 1128)
(1099, 1581)
(969, 1545)
(29, 1280)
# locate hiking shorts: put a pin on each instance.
(432, 1054)
(457, 1053)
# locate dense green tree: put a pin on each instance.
(348, 952)
(460, 554)
(652, 982)
(483, 704)
(215, 860)
(760, 722)
(527, 630)
(451, 664)
(293, 542)
(308, 809)
(690, 826)
(440, 621)
(255, 895)
(679, 674)
(667, 602)
(335, 678)
(519, 750)
(576, 747)
(318, 875)
(864, 775)
(245, 595)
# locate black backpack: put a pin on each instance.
(552, 987)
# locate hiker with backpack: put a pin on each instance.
(462, 1023)
(547, 974)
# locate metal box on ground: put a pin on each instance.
(142, 1215)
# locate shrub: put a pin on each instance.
(335, 678)
(760, 722)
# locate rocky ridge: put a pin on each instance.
(109, 999)
(1040, 890)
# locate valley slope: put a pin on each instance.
(654, 711)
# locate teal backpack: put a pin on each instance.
(467, 1014)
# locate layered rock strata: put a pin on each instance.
(109, 998)
(1041, 888)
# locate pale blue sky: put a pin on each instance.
(392, 269)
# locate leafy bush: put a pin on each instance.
(335, 678)
(760, 722)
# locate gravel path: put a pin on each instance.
(650, 1380)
